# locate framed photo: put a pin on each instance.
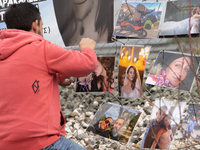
(191, 122)
(138, 20)
(114, 122)
(163, 123)
(131, 69)
(177, 16)
(173, 70)
(101, 80)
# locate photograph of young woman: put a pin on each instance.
(132, 83)
(101, 80)
(164, 135)
(195, 20)
(163, 124)
(178, 22)
(173, 70)
(84, 18)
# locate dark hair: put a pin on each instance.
(162, 123)
(21, 16)
(66, 11)
(108, 65)
(135, 78)
(194, 11)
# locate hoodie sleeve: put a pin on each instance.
(69, 63)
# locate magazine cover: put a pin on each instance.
(114, 122)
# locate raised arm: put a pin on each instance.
(149, 12)
(71, 63)
(196, 16)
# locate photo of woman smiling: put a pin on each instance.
(173, 69)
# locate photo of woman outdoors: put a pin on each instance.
(77, 19)
(164, 135)
(191, 123)
(173, 70)
(195, 20)
(177, 16)
(131, 69)
(163, 124)
(101, 80)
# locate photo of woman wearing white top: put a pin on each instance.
(132, 83)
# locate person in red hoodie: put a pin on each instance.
(30, 70)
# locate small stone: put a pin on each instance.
(88, 114)
(76, 126)
(76, 105)
(68, 130)
(84, 125)
(73, 114)
(91, 117)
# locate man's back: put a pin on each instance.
(31, 68)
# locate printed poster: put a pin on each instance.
(177, 16)
(65, 23)
(138, 20)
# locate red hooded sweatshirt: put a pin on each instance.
(30, 113)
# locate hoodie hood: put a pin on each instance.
(12, 39)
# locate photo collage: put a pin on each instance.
(118, 87)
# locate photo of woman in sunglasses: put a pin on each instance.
(116, 122)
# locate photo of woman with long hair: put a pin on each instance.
(84, 18)
(132, 83)
(105, 74)
(173, 70)
(101, 80)
(164, 135)
(180, 22)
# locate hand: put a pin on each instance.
(87, 43)
(66, 82)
